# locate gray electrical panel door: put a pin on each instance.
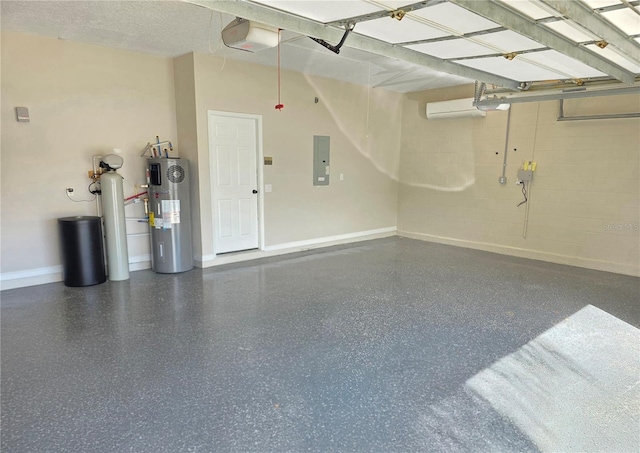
(321, 160)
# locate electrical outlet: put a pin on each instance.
(70, 191)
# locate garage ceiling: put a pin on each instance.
(400, 45)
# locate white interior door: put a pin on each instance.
(233, 152)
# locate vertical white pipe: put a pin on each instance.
(114, 226)
(506, 149)
(526, 212)
(533, 151)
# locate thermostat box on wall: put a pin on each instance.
(22, 114)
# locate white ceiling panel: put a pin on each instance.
(625, 19)
(534, 10)
(323, 10)
(572, 31)
(562, 63)
(455, 18)
(516, 69)
(452, 48)
(395, 31)
(507, 41)
(614, 56)
(601, 3)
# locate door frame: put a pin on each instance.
(259, 170)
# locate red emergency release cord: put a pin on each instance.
(279, 105)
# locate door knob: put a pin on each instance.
(255, 191)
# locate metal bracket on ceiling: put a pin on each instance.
(336, 49)
(398, 14)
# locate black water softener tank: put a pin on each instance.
(82, 252)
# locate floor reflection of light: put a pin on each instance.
(573, 388)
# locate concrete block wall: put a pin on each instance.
(584, 199)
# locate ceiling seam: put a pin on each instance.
(450, 38)
(519, 53)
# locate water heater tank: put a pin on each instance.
(169, 215)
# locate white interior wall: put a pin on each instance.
(364, 126)
(184, 77)
(584, 199)
(84, 100)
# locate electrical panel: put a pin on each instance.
(321, 148)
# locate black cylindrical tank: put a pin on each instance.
(82, 252)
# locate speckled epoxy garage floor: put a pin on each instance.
(386, 345)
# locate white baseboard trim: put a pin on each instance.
(199, 259)
(53, 274)
(30, 277)
(292, 247)
(333, 240)
(140, 262)
(587, 263)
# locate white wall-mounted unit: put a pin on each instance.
(456, 108)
